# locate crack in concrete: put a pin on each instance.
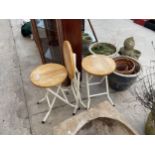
(20, 71)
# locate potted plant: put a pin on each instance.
(86, 41)
(127, 71)
(144, 91)
(103, 48)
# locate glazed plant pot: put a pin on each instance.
(103, 48)
(127, 71)
(150, 24)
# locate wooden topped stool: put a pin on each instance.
(53, 75)
(98, 65)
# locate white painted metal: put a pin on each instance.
(75, 88)
(44, 98)
(88, 86)
(64, 95)
(48, 101)
(62, 98)
(76, 100)
(107, 89)
(51, 105)
(88, 90)
(99, 94)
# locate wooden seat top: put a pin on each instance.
(98, 64)
(69, 59)
(48, 75)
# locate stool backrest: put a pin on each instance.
(69, 59)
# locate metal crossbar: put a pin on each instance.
(96, 83)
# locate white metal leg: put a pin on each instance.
(107, 89)
(88, 85)
(43, 99)
(76, 85)
(64, 99)
(80, 99)
(88, 90)
(76, 99)
(51, 105)
(47, 99)
(61, 98)
(64, 95)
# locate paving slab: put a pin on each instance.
(13, 112)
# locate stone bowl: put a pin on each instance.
(102, 119)
(104, 126)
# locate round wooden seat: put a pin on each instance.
(48, 75)
(98, 65)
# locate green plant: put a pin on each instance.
(86, 38)
(144, 91)
(103, 48)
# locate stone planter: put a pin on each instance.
(103, 119)
(122, 80)
(103, 48)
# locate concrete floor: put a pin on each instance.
(19, 113)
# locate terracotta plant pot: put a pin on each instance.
(127, 71)
(125, 66)
(103, 48)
